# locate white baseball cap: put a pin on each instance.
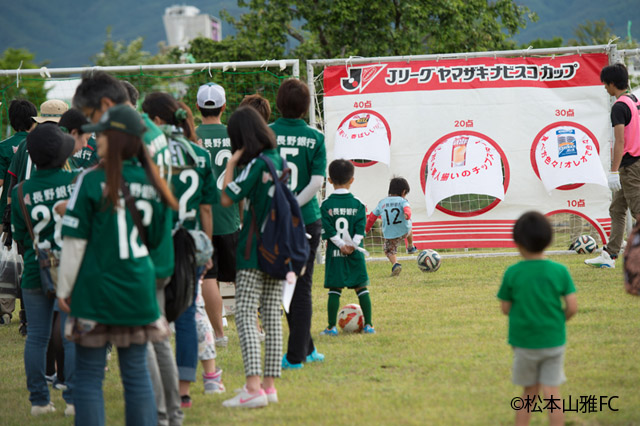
(211, 96)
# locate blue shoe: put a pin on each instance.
(396, 269)
(286, 365)
(315, 356)
(412, 250)
(368, 329)
(333, 331)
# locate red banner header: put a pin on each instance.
(474, 73)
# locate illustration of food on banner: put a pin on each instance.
(364, 135)
(463, 163)
(566, 155)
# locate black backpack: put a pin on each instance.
(282, 239)
(180, 290)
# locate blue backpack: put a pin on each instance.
(282, 239)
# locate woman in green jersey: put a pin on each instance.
(48, 187)
(118, 212)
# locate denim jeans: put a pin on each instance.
(40, 309)
(69, 361)
(140, 404)
(187, 340)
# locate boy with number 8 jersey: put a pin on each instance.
(343, 222)
(396, 221)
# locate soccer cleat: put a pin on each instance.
(602, 261)
(333, 331)
(213, 385)
(185, 401)
(396, 269)
(245, 399)
(412, 250)
(222, 342)
(315, 356)
(368, 329)
(70, 410)
(286, 365)
(37, 410)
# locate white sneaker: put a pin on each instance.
(222, 342)
(70, 410)
(272, 394)
(602, 261)
(244, 399)
(5, 319)
(37, 410)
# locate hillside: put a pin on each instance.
(67, 33)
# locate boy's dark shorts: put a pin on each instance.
(224, 258)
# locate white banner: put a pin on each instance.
(505, 105)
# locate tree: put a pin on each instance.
(122, 53)
(541, 43)
(341, 28)
(28, 87)
(592, 33)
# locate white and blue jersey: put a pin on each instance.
(392, 211)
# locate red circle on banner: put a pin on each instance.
(536, 141)
(503, 157)
(593, 223)
(384, 121)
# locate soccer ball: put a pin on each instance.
(584, 244)
(350, 318)
(429, 260)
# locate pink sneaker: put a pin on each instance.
(244, 399)
(272, 395)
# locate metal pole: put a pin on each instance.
(160, 67)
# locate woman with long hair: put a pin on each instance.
(118, 212)
(193, 184)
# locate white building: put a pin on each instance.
(184, 23)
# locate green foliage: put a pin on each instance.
(541, 43)
(341, 28)
(592, 33)
(28, 87)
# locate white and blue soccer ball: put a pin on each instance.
(584, 244)
(429, 261)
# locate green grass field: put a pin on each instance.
(439, 357)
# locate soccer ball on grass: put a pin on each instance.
(584, 244)
(429, 260)
(350, 318)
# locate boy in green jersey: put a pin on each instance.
(303, 148)
(343, 222)
(531, 295)
(211, 102)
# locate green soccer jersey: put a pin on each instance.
(343, 214)
(116, 283)
(255, 184)
(87, 157)
(156, 142)
(21, 165)
(303, 148)
(214, 138)
(42, 192)
(535, 289)
(192, 181)
(8, 148)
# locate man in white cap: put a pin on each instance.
(214, 138)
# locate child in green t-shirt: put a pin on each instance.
(531, 295)
(344, 216)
